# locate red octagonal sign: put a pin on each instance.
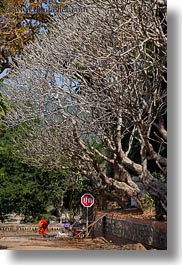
(87, 200)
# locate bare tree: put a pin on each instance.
(99, 76)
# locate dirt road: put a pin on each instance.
(37, 243)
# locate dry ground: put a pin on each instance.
(37, 243)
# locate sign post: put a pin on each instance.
(87, 200)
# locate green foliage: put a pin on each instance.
(134, 153)
(94, 143)
(3, 105)
(148, 201)
(30, 190)
(21, 189)
(160, 176)
(3, 109)
(1, 4)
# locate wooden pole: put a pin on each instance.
(91, 225)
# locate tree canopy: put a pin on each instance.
(99, 76)
(31, 191)
(19, 22)
(25, 189)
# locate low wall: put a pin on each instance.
(24, 227)
(152, 234)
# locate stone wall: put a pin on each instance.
(122, 230)
(26, 227)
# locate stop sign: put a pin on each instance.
(87, 200)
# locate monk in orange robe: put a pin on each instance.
(43, 227)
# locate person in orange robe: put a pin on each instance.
(43, 227)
